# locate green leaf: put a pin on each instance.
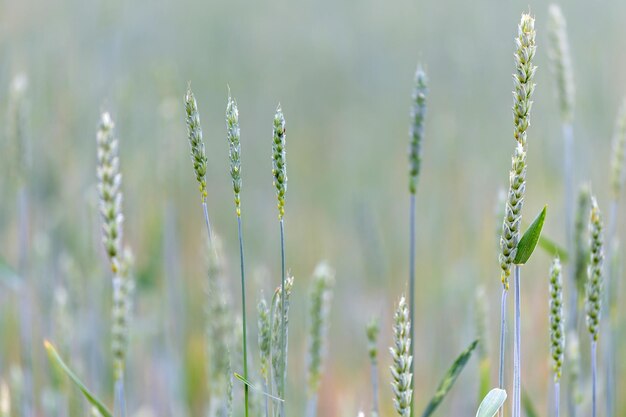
(553, 248)
(56, 359)
(491, 403)
(528, 242)
(248, 383)
(528, 405)
(448, 380)
(484, 372)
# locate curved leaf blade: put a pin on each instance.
(528, 242)
(448, 380)
(56, 359)
(491, 403)
(552, 248)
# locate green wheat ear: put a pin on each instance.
(234, 149)
(618, 153)
(279, 160)
(561, 62)
(418, 115)
(401, 377)
(194, 133)
(557, 329)
(594, 271)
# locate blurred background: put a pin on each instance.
(343, 74)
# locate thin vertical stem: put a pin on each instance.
(517, 347)
(243, 313)
(594, 378)
(311, 406)
(206, 219)
(557, 399)
(412, 286)
(568, 204)
(283, 311)
(502, 344)
(266, 390)
(120, 402)
(607, 305)
(374, 375)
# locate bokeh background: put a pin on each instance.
(343, 73)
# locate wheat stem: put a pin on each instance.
(243, 314)
(502, 343)
(517, 377)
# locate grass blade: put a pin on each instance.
(249, 384)
(55, 358)
(528, 242)
(448, 380)
(491, 403)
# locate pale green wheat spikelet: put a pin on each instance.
(194, 133)
(561, 62)
(557, 329)
(371, 330)
(109, 188)
(522, 103)
(123, 287)
(319, 308)
(219, 334)
(279, 160)
(418, 114)
(402, 380)
(581, 249)
(278, 355)
(17, 126)
(264, 337)
(619, 153)
(234, 146)
(594, 271)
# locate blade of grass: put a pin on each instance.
(492, 402)
(448, 380)
(528, 242)
(93, 400)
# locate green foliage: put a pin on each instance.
(491, 403)
(528, 242)
(448, 380)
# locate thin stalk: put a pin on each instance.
(374, 376)
(516, 347)
(568, 180)
(412, 286)
(282, 309)
(120, 402)
(594, 378)
(267, 406)
(502, 344)
(311, 406)
(557, 398)
(206, 220)
(243, 314)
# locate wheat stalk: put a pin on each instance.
(402, 379)
(319, 308)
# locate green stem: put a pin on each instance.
(594, 377)
(517, 377)
(502, 343)
(283, 313)
(243, 314)
(206, 219)
(412, 287)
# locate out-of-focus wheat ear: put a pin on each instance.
(416, 132)
(371, 330)
(109, 189)
(593, 299)
(557, 329)
(5, 399)
(279, 160)
(197, 152)
(481, 315)
(561, 62)
(279, 326)
(320, 296)
(401, 377)
(618, 153)
(264, 339)
(17, 126)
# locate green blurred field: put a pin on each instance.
(343, 73)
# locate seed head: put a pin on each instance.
(418, 114)
(279, 160)
(278, 354)
(194, 133)
(319, 309)
(523, 77)
(123, 288)
(234, 149)
(581, 247)
(594, 270)
(561, 61)
(264, 336)
(619, 153)
(109, 189)
(402, 379)
(371, 330)
(557, 327)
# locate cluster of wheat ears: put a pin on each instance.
(576, 270)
